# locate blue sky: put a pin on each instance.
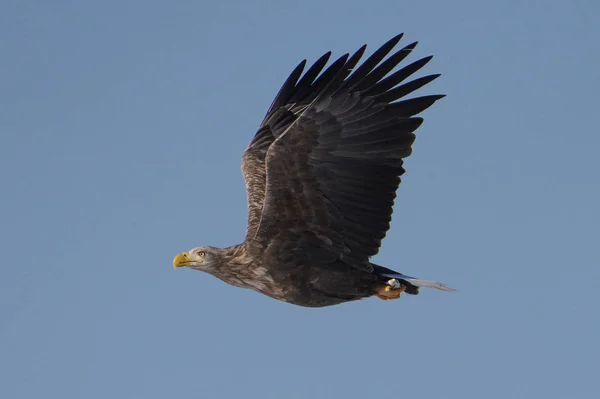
(122, 125)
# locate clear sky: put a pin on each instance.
(122, 126)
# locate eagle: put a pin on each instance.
(321, 177)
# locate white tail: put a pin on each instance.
(421, 283)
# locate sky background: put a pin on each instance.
(122, 124)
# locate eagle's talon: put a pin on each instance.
(393, 284)
(391, 290)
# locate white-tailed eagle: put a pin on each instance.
(321, 177)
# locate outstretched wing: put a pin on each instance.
(333, 165)
(294, 96)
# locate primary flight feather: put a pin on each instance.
(321, 177)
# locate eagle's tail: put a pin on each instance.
(412, 284)
(417, 282)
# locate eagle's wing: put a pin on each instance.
(293, 97)
(333, 165)
(253, 170)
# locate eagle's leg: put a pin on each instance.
(390, 290)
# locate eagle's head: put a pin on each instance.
(200, 258)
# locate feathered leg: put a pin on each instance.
(390, 290)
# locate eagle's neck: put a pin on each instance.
(234, 266)
(238, 268)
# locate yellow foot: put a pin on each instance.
(388, 291)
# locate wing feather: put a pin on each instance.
(297, 92)
(327, 160)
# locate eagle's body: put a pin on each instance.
(321, 176)
(302, 283)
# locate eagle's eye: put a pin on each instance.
(202, 254)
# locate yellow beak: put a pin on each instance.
(181, 260)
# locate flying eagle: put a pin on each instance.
(321, 177)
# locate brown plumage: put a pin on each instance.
(321, 177)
